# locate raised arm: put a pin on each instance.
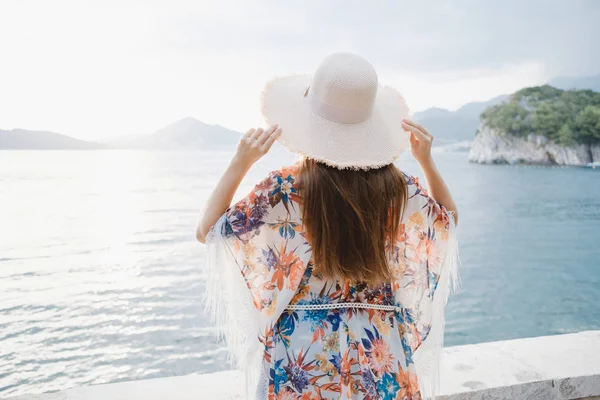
(420, 146)
(253, 145)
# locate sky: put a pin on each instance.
(97, 70)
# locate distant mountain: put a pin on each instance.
(22, 139)
(433, 112)
(476, 108)
(579, 83)
(454, 126)
(188, 133)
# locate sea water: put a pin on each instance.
(101, 278)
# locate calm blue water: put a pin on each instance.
(101, 279)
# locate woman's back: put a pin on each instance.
(329, 279)
(325, 338)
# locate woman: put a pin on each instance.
(329, 279)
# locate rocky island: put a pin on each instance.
(540, 125)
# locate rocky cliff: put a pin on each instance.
(494, 147)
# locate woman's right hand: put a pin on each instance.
(420, 141)
(420, 147)
(256, 143)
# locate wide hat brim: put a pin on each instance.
(369, 144)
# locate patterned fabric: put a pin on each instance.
(347, 353)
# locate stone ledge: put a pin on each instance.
(561, 367)
(547, 367)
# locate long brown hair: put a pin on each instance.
(350, 218)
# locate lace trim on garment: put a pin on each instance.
(333, 306)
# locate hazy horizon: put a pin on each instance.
(108, 139)
(97, 71)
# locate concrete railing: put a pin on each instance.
(545, 368)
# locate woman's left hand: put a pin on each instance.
(256, 143)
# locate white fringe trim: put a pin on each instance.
(230, 307)
(428, 356)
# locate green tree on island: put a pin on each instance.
(587, 125)
(565, 116)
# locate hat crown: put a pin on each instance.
(345, 81)
(339, 114)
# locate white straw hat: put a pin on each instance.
(340, 115)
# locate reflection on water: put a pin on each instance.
(101, 279)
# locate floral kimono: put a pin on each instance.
(300, 336)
